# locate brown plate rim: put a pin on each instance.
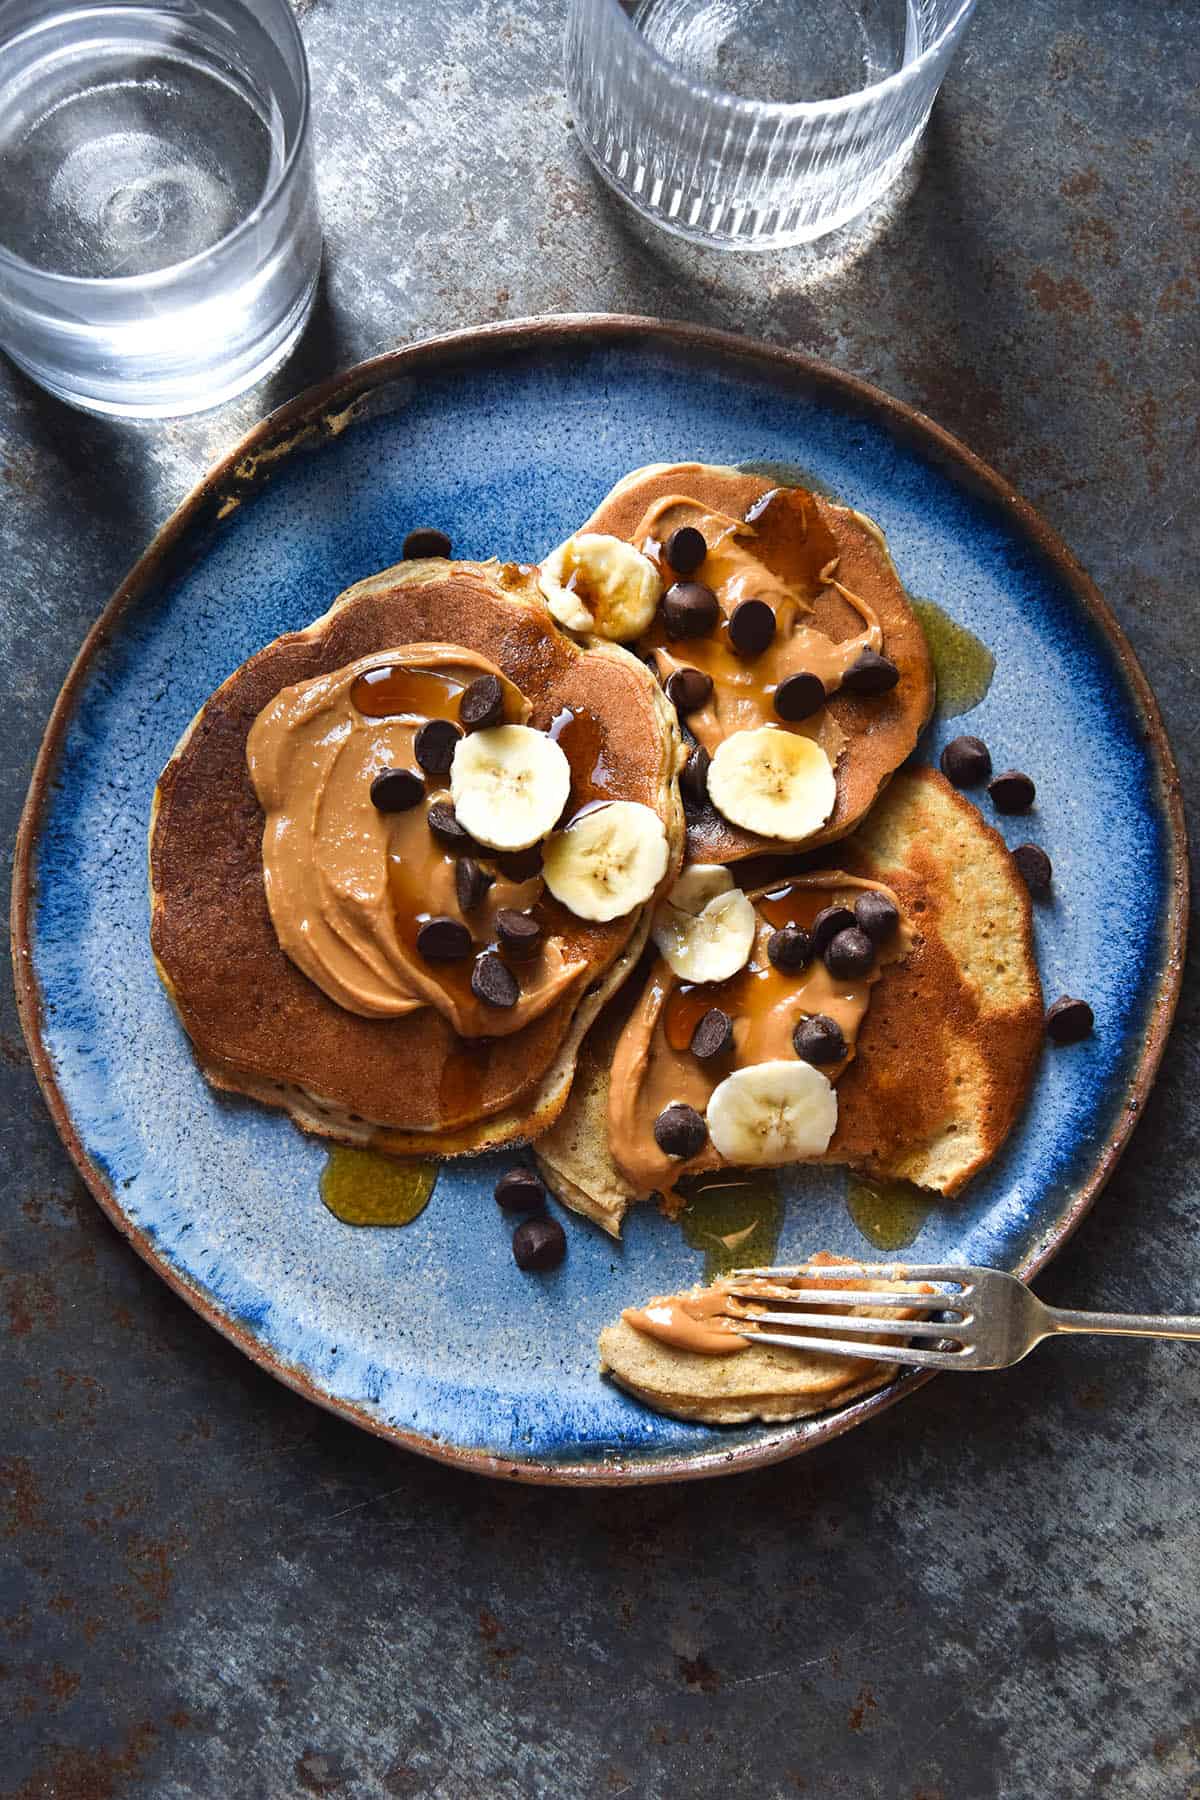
(324, 410)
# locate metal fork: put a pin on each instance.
(977, 1318)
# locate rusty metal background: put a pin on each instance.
(208, 1587)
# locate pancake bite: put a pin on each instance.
(780, 632)
(401, 858)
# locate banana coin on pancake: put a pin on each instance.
(332, 931)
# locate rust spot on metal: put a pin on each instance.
(489, 1626)
(1093, 240)
(66, 1774)
(699, 1673)
(1080, 186)
(1178, 295)
(1065, 296)
(23, 1497)
(12, 1051)
(320, 1773)
(862, 1706)
(29, 1300)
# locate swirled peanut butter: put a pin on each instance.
(716, 1321)
(348, 886)
(654, 1068)
(781, 553)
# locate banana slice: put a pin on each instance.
(705, 927)
(509, 785)
(608, 861)
(771, 1113)
(774, 782)
(601, 584)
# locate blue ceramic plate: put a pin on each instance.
(506, 438)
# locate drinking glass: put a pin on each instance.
(159, 237)
(752, 124)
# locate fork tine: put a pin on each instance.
(921, 1359)
(809, 1297)
(925, 1328)
(888, 1271)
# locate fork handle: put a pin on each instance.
(1122, 1324)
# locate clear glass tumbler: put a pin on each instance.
(159, 236)
(751, 124)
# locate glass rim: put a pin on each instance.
(160, 277)
(792, 109)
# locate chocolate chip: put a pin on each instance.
(680, 1131)
(471, 883)
(425, 541)
(493, 982)
(850, 954)
(520, 865)
(444, 939)
(693, 780)
(444, 825)
(876, 915)
(1035, 866)
(1069, 1020)
(539, 1244)
(434, 744)
(751, 627)
(712, 1036)
(688, 689)
(519, 1190)
(790, 948)
(966, 761)
(689, 609)
(686, 550)
(1011, 792)
(799, 697)
(395, 790)
(819, 1040)
(828, 922)
(519, 933)
(481, 704)
(871, 674)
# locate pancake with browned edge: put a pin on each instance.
(261, 1027)
(948, 1045)
(880, 730)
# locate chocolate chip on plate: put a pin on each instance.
(693, 780)
(688, 689)
(875, 914)
(519, 933)
(685, 550)
(799, 697)
(395, 790)
(1068, 1020)
(871, 674)
(519, 1190)
(680, 1131)
(819, 1040)
(966, 761)
(443, 939)
(712, 1036)
(443, 823)
(1035, 866)
(751, 627)
(850, 954)
(471, 883)
(520, 865)
(789, 948)
(425, 541)
(539, 1244)
(1012, 791)
(689, 609)
(481, 703)
(493, 982)
(434, 744)
(828, 922)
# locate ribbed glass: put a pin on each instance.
(745, 173)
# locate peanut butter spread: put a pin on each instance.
(653, 1067)
(348, 886)
(783, 554)
(710, 1320)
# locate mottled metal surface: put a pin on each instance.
(207, 1587)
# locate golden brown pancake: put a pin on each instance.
(880, 730)
(949, 1043)
(261, 1027)
(761, 1382)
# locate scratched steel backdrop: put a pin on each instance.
(208, 1587)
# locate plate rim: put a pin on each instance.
(324, 410)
